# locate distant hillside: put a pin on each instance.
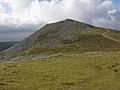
(6, 45)
(65, 36)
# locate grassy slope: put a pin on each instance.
(115, 34)
(95, 66)
(68, 71)
(90, 62)
(86, 41)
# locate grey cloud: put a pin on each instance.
(12, 33)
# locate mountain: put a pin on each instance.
(64, 36)
(66, 55)
(6, 45)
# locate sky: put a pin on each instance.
(20, 18)
(116, 1)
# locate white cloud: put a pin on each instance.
(18, 13)
(112, 11)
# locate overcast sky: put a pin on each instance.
(20, 18)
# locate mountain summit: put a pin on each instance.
(64, 36)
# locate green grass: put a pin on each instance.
(68, 71)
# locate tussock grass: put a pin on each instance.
(70, 71)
